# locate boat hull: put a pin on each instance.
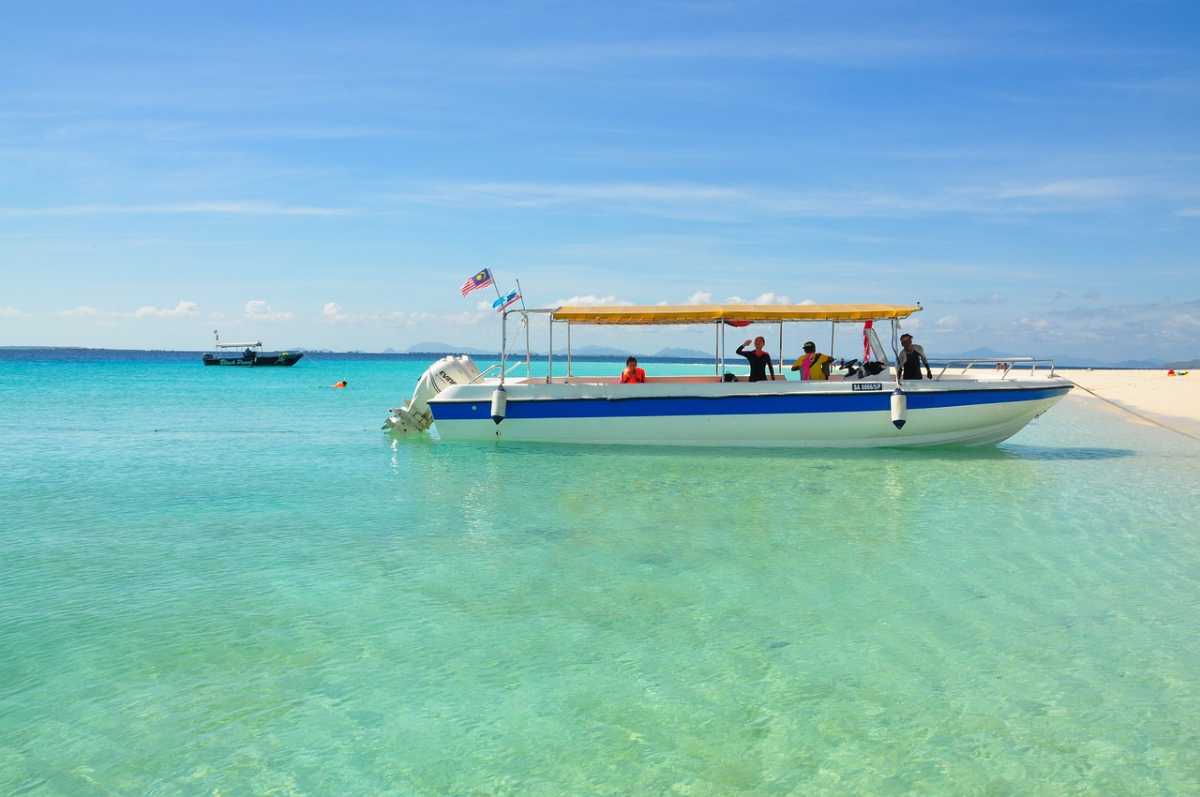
(778, 415)
(281, 360)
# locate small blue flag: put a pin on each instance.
(503, 302)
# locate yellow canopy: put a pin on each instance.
(710, 313)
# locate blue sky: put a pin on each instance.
(327, 177)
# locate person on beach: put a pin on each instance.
(813, 365)
(632, 374)
(760, 361)
(911, 357)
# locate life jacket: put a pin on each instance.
(638, 375)
(810, 366)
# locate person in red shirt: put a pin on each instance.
(632, 374)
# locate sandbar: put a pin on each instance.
(1173, 401)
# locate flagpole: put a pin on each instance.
(494, 285)
(525, 320)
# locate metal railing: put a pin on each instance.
(1003, 364)
(494, 367)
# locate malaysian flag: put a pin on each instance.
(480, 280)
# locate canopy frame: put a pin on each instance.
(717, 315)
(649, 315)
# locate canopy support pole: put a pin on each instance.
(832, 336)
(717, 349)
(780, 356)
(550, 354)
(528, 351)
(569, 371)
(503, 345)
(896, 348)
(721, 326)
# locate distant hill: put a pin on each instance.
(692, 354)
(1183, 364)
(599, 351)
(437, 347)
(1060, 360)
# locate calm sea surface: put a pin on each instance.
(231, 581)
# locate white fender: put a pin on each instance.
(899, 408)
(499, 405)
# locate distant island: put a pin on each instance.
(598, 351)
(689, 354)
(437, 347)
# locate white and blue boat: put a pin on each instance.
(968, 402)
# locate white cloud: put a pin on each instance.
(216, 315)
(948, 323)
(764, 298)
(589, 300)
(822, 47)
(547, 194)
(700, 297)
(1087, 189)
(83, 311)
(259, 310)
(697, 201)
(335, 313)
(12, 312)
(217, 207)
(182, 309)
(418, 319)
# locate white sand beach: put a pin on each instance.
(1170, 400)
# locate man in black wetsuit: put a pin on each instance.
(911, 357)
(760, 361)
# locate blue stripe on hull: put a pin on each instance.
(761, 404)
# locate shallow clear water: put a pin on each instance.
(230, 581)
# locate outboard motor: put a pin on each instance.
(415, 416)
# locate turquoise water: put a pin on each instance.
(223, 581)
